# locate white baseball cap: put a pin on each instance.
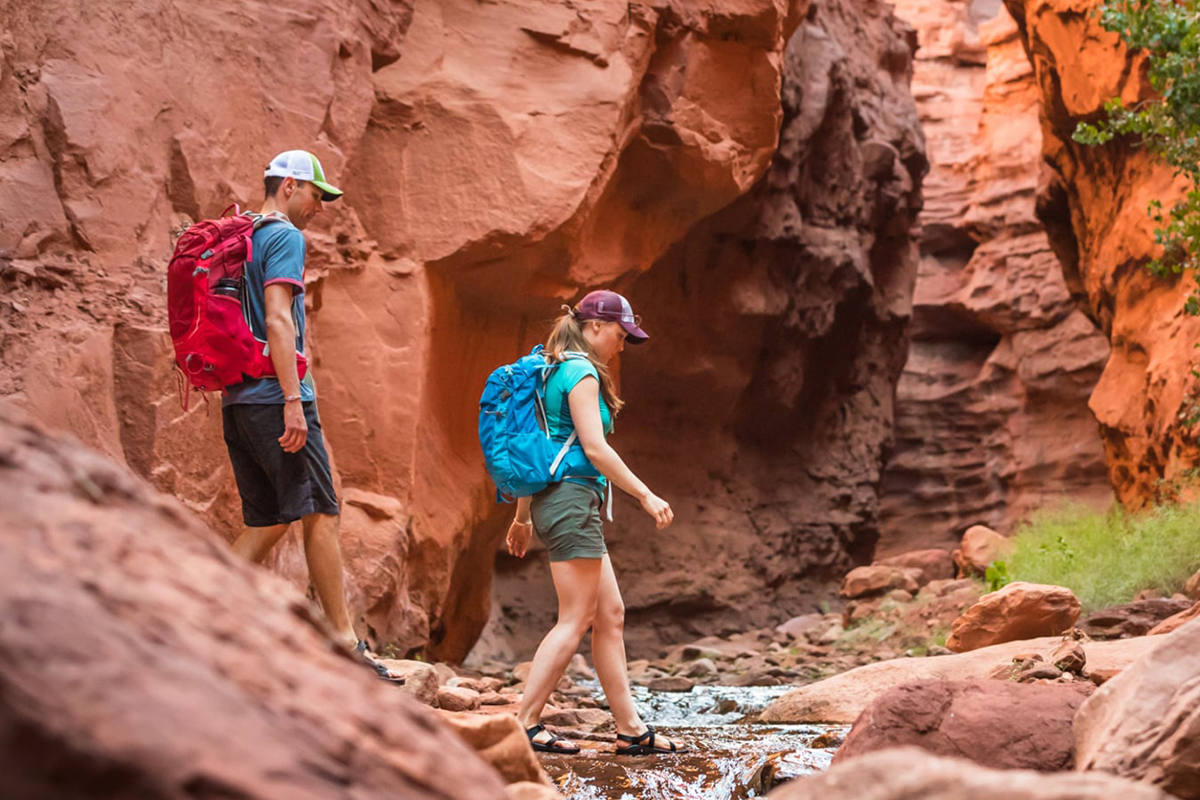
(303, 166)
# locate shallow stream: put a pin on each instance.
(729, 759)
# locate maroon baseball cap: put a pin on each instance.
(606, 305)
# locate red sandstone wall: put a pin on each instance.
(991, 411)
(1093, 203)
(499, 159)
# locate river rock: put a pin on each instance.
(998, 724)
(673, 683)
(143, 659)
(934, 564)
(1145, 722)
(1131, 619)
(841, 698)
(877, 579)
(700, 668)
(420, 679)
(1175, 622)
(908, 773)
(980, 546)
(799, 627)
(1018, 611)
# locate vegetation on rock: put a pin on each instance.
(1167, 32)
(1106, 558)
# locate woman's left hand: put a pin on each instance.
(518, 538)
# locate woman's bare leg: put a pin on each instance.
(577, 583)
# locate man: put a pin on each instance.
(272, 428)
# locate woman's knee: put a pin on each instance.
(610, 616)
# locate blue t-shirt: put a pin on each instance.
(278, 257)
(558, 408)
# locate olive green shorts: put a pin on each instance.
(566, 517)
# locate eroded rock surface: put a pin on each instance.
(1145, 723)
(1093, 204)
(141, 658)
(991, 411)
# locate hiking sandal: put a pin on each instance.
(381, 671)
(550, 746)
(643, 745)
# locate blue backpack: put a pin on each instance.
(520, 455)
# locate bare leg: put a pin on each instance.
(608, 654)
(253, 544)
(324, 557)
(577, 583)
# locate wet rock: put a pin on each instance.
(841, 698)
(588, 719)
(1018, 611)
(674, 683)
(907, 772)
(500, 741)
(876, 579)
(1131, 619)
(980, 546)
(1173, 623)
(143, 659)
(933, 563)
(1145, 723)
(998, 724)
(457, 698)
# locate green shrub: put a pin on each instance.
(1107, 558)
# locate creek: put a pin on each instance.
(730, 757)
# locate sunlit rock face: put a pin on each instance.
(761, 406)
(991, 411)
(498, 159)
(1093, 202)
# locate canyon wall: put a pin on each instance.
(991, 410)
(1093, 204)
(762, 405)
(498, 160)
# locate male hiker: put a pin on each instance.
(272, 428)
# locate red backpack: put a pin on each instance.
(214, 346)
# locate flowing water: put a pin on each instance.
(729, 758)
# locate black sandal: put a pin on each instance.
(381, 671)
(643, 745)
(548, 746)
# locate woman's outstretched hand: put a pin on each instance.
(518, 538)
(658, 508)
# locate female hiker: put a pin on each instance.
(580, 397)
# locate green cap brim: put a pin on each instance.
(328, 192)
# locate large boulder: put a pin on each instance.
(1018, 611)
(1145, 723)
(999, 724)
(907, 773)
(842, 698)
(141, 656)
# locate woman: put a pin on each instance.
(580, 396)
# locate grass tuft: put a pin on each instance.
(1107, 558)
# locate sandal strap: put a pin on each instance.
(534, 731)
(624, 737)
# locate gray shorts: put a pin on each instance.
(566, 517)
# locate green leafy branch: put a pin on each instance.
(1168, 125)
